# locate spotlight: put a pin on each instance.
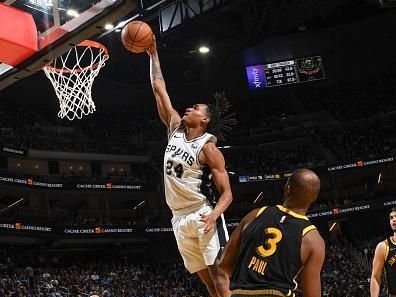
(109, 26)
(204, 50)
(73, 13)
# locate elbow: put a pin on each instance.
(374, 279)
(230, 198)
(157, 85)
(156, 88)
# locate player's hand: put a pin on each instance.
(209, 221)
(153, 47)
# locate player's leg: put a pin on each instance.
(220, 280)
(188, 245)
(211, 244)
(206, 278)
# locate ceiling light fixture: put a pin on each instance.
(109, 26)
(72, 13)
(204, 50)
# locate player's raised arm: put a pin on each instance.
(168, 115)
(310, 277)
(378, 265)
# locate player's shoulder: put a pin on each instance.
(381, 246)
(210, 146)
(211, 153)
(381, 250)
(251, 216)
(313, 239)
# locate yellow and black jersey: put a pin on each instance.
(270, 253)
(390, 265)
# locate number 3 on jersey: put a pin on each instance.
(178, 169)
(269, 247)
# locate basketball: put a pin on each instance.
(136, 36)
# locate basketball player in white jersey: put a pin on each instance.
(191, 159)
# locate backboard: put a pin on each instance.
(61, 24)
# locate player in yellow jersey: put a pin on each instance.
(385, 260)
(273, 245)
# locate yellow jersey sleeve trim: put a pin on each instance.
(271, 292)
(292, 213)
(387, 250)
(261, 211)
(308, 229)
(291, 294)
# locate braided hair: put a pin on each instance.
(220, 125)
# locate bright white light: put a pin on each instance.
(204, 50)
(259, 197)
(41, 3)
(72, 13)
(122, 24)
(139, 205)
(109, 26)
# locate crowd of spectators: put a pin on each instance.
(370, 140)
(342, 274)
(139, 214)
(273, 160)
(137, 130)
(357, 99)
(116, 130)
(346, 273)
(127, 279)
(260, 113)
(139, 173)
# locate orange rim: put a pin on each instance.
(86, 43)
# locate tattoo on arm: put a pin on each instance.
(156, 72)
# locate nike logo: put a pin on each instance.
(177, 136)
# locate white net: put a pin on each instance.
(72, 76)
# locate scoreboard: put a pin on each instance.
(284, 73)
(281, 73)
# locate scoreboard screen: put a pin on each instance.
(284, 73)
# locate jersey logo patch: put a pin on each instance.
(283, 218)
(194, 145)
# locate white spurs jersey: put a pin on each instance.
(187, 182)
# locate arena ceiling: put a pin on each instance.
(239, 24)
(235, 25)
(228, 27)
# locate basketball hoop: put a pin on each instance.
(72, 76)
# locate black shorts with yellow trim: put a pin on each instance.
(261, 293)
